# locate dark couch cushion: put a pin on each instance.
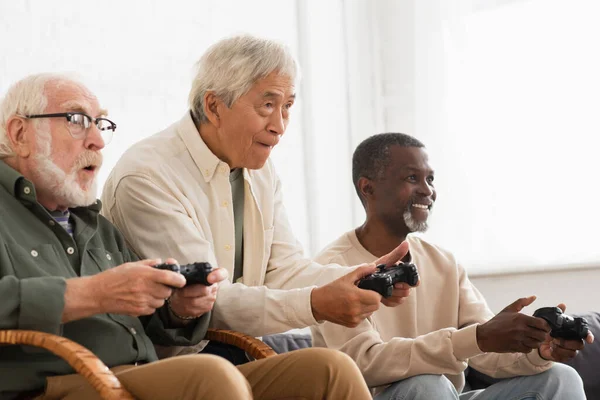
(587, 362)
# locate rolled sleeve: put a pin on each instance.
(42, 304)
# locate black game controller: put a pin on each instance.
(384, 279)
(563, 326)
(195, 273)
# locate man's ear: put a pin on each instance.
(365, 187)
(211, 108)
(19, 132)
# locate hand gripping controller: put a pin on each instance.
(563, 326)
(195, 273)
(384, 279)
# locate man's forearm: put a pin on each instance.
(80, 301)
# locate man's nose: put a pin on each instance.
(425, 189)
(94, 140)
(277, 124)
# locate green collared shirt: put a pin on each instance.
(37, 256)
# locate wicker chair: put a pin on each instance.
(85, 363)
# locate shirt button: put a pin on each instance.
(227, 247)
(225, 203)
(70, 250)
(34, 253)
(27, 190)
(206, 172)
(51, 222)
(133, 331)
(108, 257)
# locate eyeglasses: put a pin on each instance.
(79, 123)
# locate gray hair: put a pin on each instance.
(26, 97)
(231, 66)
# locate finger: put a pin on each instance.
(590, 338)
(519, 304)
(361, 272)
(562, 354)
(395, 255)
(530, 343)
(217, 275)
(171, 261)
(562, 306)
(193, 291)
(168, 278)
(149, 262)
(400, 293)
(535, 334)
(521, 347)
(537, 323)
(569, 344)
(402, 286)
(369, 298)
(389, 302)
(156, 302)
(160, 291)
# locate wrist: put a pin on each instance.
(179, 317)
(81, 300)
(480, 336)
(315, 295)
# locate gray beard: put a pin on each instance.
(412, 225)
(63, 186)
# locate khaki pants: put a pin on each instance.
(303, 374)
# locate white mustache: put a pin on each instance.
(88, 158)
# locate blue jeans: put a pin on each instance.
(559, 382)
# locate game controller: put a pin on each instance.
(384, 279)
(563, 326)
(195, 273)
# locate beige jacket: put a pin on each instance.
(170, 196)
(433, 332)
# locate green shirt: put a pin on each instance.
(36, 257)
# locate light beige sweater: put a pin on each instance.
(432, 332)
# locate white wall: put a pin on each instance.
(510, 120)
(576, 287)
(137, 56)
(504, 193)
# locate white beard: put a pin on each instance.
(412, 225)
(63, 187)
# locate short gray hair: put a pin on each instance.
(25, 97)
(231, 66)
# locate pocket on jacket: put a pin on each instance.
(105, 259)
(38, 260)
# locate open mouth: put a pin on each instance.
(424, 207)
(90, 168)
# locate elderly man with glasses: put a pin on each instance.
(66, 270)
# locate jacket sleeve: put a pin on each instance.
(156, 224)
(288, 267)
(32, 303)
